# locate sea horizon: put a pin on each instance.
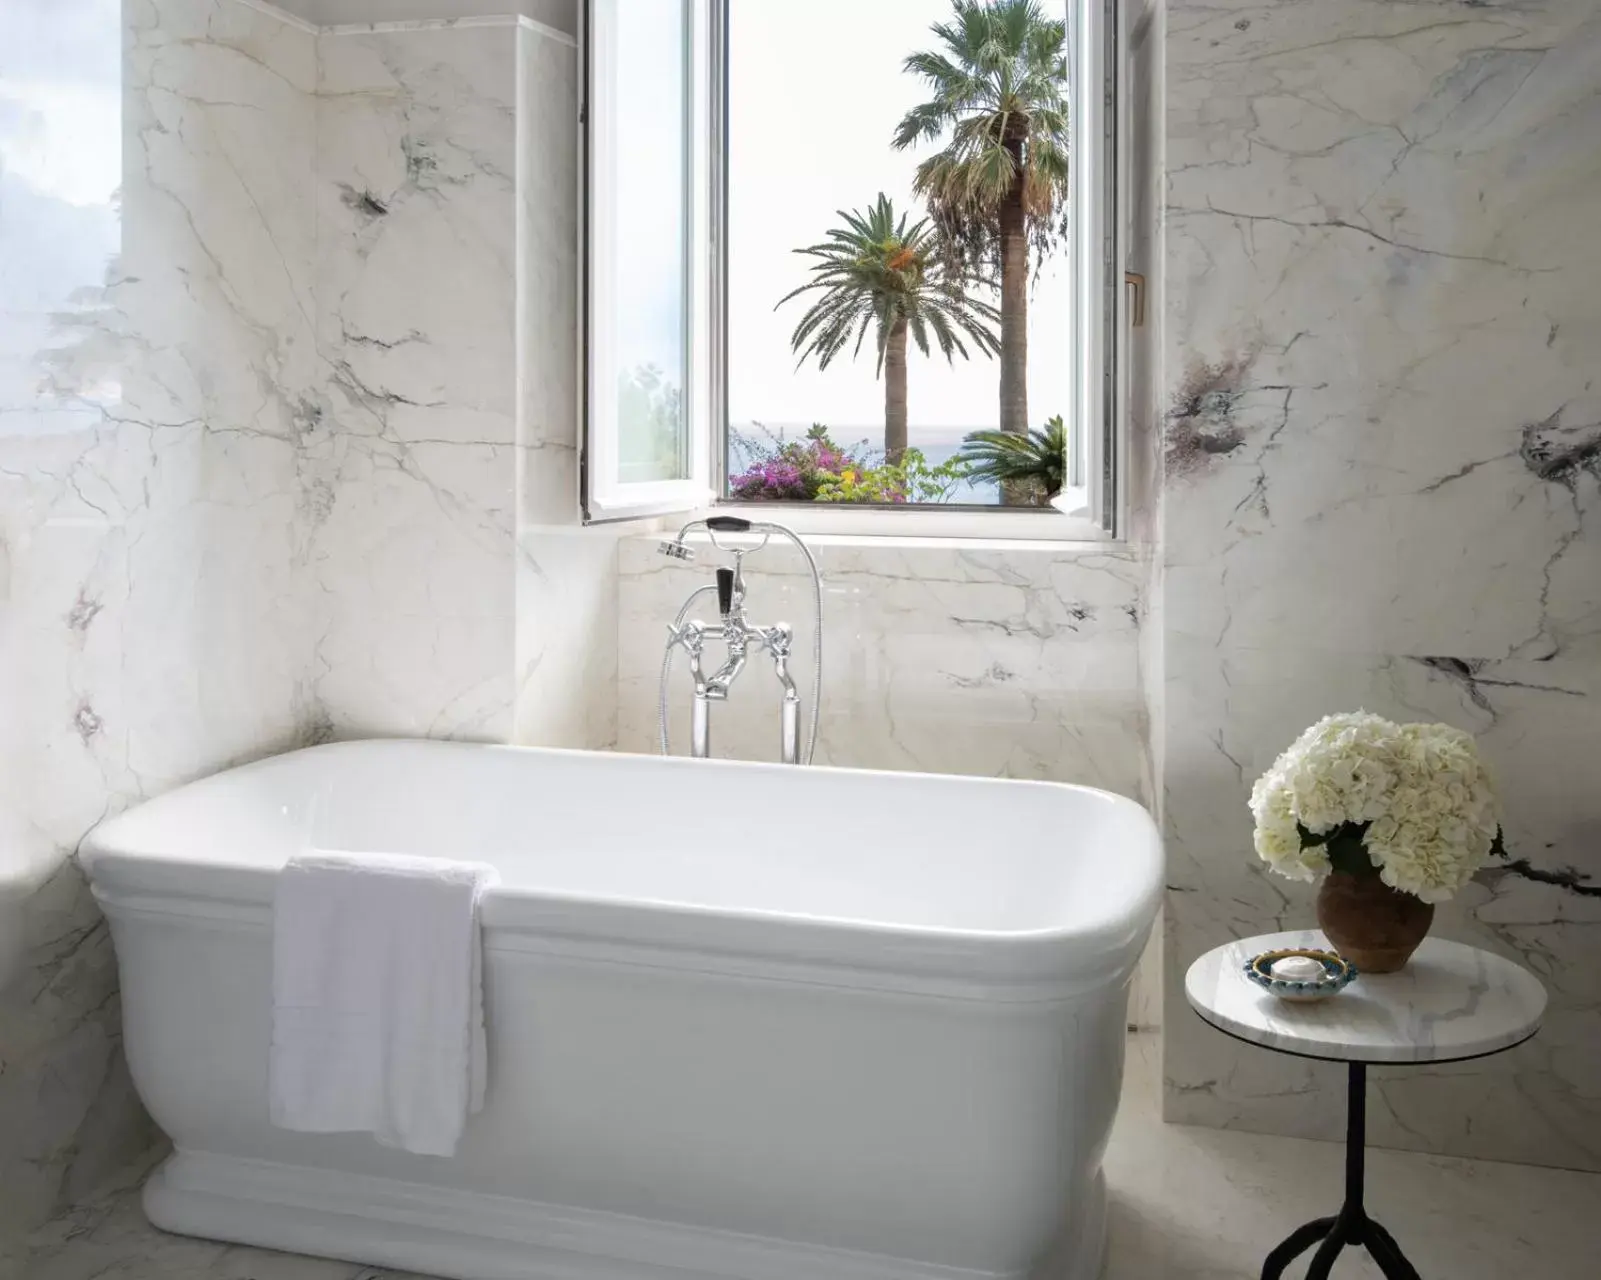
(872, 434)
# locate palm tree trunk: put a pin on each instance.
(895, 392)
(1014, 320)
(1014, 312)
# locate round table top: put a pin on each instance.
(1450, 1002)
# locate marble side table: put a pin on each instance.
(1450, 1003)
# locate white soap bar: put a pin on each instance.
(1297, 969)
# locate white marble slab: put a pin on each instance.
(1382, 488)
(155, 343)
(1450, 1002)
(1020, 662)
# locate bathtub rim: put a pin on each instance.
(1007, 965)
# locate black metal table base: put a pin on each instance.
(1351, 1226)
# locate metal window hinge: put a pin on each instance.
(1134, 282)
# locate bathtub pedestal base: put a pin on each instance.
(447, 1232)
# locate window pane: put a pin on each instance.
(648, 240)
(944, 351)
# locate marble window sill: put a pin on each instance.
(862, 545)
(858, 526)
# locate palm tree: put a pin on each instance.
(999, 89)
(1030, 467)
(877, 273)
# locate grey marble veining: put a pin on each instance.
(413, 558)
(151, 339)
(454, 595)
(993, 662)
(267, 440)
(1382, 491)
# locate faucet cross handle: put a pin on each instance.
(779, 639)
(692, 635)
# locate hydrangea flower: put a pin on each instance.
(1417, 796)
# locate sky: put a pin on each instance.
(816, 90)
(61, 97)
(648, 239)
(60, 167)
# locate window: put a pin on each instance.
(825, 270)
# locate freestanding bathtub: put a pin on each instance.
(748, 1021)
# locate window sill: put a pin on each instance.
(867, 553)
(836, 525)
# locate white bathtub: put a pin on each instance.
(745, 1020)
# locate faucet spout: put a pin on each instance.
(722, 680)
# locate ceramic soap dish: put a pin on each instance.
(1290, 975)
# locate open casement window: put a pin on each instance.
(1094, 473)
(661, 291)
(648, 150)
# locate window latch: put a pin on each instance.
(1134, 282)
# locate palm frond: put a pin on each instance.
(1039, 457)
(876, 270)
(997, 95)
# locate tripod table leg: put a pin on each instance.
(1381, 1244)
(1302, 1239)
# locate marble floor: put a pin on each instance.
(1187, 1204)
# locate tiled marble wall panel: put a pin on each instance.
(1383, 490)
(215, 294)
(566, 575)
(411, 458)
(148, 377)
(455, 595)
(996, 663)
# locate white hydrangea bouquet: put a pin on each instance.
(1360, 794)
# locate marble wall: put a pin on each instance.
(412, 458)
(148, 369)
(454, 592)
(1383, 489)
(993, 662)
(287, 451)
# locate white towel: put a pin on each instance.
(377, 998)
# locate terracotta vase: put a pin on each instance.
(1375, 927)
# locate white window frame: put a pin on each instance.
(607, 498)
(1090, 510)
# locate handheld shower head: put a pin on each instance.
(678, 548)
